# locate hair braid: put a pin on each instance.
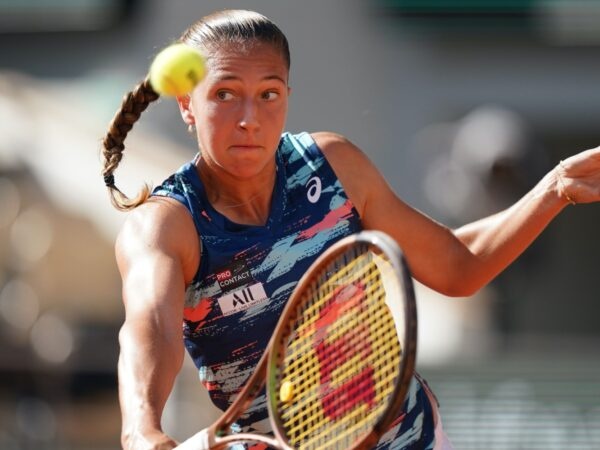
(134, 103)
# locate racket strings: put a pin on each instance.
(353, 392)
(322, 289)
(310, 403)
(343, 358)
(302, 347)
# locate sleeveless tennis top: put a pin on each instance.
(247, 274)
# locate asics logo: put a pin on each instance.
(314, 189)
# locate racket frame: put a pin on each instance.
(381, 243)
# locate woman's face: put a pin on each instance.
(240, 109)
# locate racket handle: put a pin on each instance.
(198, 441)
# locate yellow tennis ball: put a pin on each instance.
(176, 70)
(286, 392)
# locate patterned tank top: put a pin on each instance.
(248, 272)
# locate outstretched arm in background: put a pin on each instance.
(499, 239)
(460, 262)
(157, 254)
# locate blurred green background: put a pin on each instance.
(463, 105)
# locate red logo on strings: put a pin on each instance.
(360, 388)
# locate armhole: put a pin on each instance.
(309, 144)
(189, 288)
(175, 196)
(317, 152)
(182, 195)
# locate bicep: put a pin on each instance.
(153, 290)
(154, 269)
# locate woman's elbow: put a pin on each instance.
(460, 282)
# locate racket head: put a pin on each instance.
(343, 353)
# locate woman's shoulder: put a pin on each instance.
(334, 145)
(161, 225)
(156, 220)
(351, 165)
(315, 145)
(341, 153)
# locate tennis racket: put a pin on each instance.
(340, 361)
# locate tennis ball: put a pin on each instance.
(286, 392)
(176, 70)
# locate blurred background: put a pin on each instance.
(462, 104)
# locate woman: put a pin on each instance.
(253, 211)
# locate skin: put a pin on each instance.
(239, 111)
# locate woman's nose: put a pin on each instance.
(249, 115)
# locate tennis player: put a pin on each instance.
(220, 245)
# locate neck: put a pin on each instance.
(244, 201)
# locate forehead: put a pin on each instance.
(232, 60)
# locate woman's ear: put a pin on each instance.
(186, 112)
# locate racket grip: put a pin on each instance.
(198, 441)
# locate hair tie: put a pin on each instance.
(109, 180)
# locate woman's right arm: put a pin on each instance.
(157, 255)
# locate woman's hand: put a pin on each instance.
(578, 177)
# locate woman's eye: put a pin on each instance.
(224, 95)
(270, 95)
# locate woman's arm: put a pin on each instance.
(499, 239)
(458, 263)
(157, 255)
